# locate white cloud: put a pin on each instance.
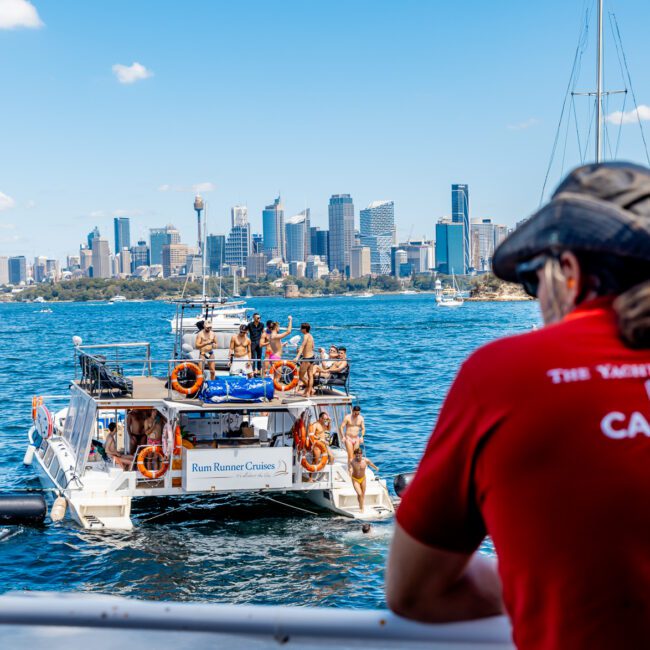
(641, 113)
(30, 204)
(19, 13)
(97, 214)
(129, 74)
(165, 187)
(6, 202)
(204, 187)
(7, 226)
(520, 126)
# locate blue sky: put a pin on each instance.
(384, 100)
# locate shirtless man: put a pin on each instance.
(306, 357)
(135, 428)
(353, 429)
(110, 446)
(206, 342)
(357, 467)
(337, 364)
(275, 340)
(320, 430)
(240, 353)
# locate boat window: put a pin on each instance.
(79, 425)
(280, 422)
(61, 478)
(54, 467)
(48, 456)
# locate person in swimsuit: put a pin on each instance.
(110, 446)
(135, 420)
(357, 467)
(240, 353)
(206, 342)
(264, 343)
(275, 340)
(305, 356)
(320, 430)
(353, 430)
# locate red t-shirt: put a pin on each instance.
(544, 444)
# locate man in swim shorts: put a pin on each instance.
(275, 340)
(240, 353)
(305, 356)
(352, 430)
(357, 466)
(206, 342)
(320, 430)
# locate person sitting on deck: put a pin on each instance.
(543, 440)
(320, 430)
(337, 364)
(206, 342)
(357, 466)
(125, 461)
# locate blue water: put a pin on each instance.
(404, 351)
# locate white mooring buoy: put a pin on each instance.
(58, 509)
(29, 455)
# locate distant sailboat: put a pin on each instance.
(450, 297)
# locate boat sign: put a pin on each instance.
(236, 469)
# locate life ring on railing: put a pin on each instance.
(146, 453)
(310, 467)
(198, 378)
(44, 422)
(299, 434)
(290, 365)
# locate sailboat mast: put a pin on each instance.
(599, 83)
(203, 247)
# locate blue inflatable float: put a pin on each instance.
(236, 389)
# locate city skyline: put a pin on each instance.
(120, 136)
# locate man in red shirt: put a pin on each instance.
(543, 441)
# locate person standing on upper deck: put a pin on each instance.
(240, 353)
(206, 343)
(255, 332)
(305, 356)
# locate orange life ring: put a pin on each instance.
(276, 381)
(178, 440)
(299, 434)
(310, 467)
(144, 454)
(198, 382)
(36, 402)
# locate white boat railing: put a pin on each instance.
(275, 624)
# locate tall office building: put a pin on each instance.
(85, 260)
(360, 261)
(256, 265)
(377, 232)
(17, 270)
(216, 253)
(298, 237)
(450, 256)
(460, 214)
(91, 235)
(419, 255)
(122, 229)
(238, 245)
(39, 270)
(125, 262)
(341, 231)
(4, 270)
(101, 258)
(485, 237)
(140, 255)
(273, 229)
(258, 242)
(319, 242)
(159, 237)
(174, 258)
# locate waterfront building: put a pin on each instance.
(298, 237)
(277, 268)
(450, 255)
(159, 237)
(256, 265)
(377, 232)
(316, 268)
(420, 255)
(399, 263)
(17, 269)
(125, 262)
(216, 253)
(485, 237)
(85, 260)
(258, 242)
(122, 229)
(239, 243)
(319, 243)
(341, 231)
(273, 229)
(194, 264)
(140, 255)
(297, 269)
(360, 261)
(39, 269)
(460, 214)
(174, 258)
(91, 235)
(101, 258)
(4, 270)
(73, 262)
